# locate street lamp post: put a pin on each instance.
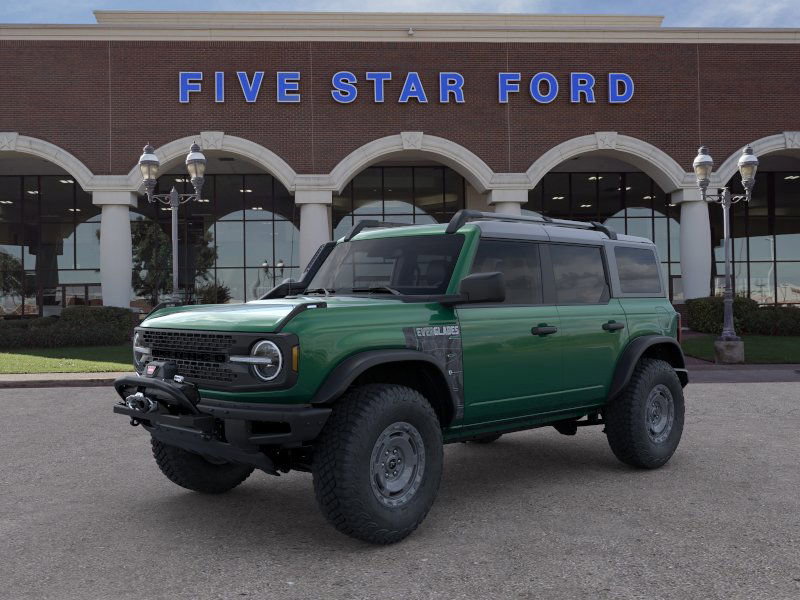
(196, 165)
(703, 165)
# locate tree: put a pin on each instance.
(152, 259)
(12, 278)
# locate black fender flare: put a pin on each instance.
(634, 351)
(346, 372)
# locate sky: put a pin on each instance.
(678, 13)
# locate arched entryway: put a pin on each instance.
(49, 232)
(234, 245)
(619, 181)
(765, 231)
(410, 178)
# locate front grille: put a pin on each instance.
(198, 356)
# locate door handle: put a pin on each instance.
(613, 326)
(543, 330)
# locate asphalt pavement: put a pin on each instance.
(85, 513)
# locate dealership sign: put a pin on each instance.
(346, 87)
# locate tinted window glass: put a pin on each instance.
(519, 264)
(579, 274)
(412, 265)
(638, 271)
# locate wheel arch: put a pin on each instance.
(650, 346)
(411, 368)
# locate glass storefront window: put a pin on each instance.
(244, 236)
(49, 239)
(414, 195)
(788, 281)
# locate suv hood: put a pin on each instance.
(258, 316)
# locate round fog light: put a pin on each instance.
(269, 358)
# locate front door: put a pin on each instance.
(593, 325)
(512, 350)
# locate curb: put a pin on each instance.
(100, 380)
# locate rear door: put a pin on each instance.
(510, 372)
(593, 324)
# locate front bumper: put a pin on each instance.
(232, 431)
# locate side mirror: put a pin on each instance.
(482, 287)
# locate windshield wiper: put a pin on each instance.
(320, 290)
(378, 288)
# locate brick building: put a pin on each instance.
(312, 121)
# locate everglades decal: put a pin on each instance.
(444, 343)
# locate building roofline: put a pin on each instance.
(435, 19)
(387, 27)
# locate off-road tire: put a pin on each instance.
(626, 417)
(195, 473)
(344, 459)
(487, 439)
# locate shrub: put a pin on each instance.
(705, 315)
(214, 293)
(77, 326)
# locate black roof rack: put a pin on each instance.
(462, 216)
(361, 225)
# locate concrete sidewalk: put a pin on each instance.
(700, 371)
(47, 380)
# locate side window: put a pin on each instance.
(519, 264)
(638, 271)
(579, 274)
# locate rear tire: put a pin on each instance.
(378, 462)
(644, 424)
(195, 473)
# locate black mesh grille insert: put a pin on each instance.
(198, 356)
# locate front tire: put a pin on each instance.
(193, 472)
(378, 463)
(644, 424)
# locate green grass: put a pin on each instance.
(88, 359)
(758, 349)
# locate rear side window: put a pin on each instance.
(580, 276)
(638, 271)
(519, 264)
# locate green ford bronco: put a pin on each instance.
(399, 339)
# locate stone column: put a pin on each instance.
(116, 253)
(315, 222)
(508, 201)
(695, 243)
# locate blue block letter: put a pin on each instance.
(288, 86)
(451, 83)
(250, 90)
(536, 88)
(344, 89)
(378, 77)
(507, 83)
(615, 96)
(581, 83)
(412, 88)
(188, 81)
(219, 86)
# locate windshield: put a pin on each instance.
(408, 265)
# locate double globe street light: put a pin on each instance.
(728, 347)
(196, 165)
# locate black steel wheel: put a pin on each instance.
(644, 424)
(378, 462)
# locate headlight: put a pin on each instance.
(139, 351)
(267, 360)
